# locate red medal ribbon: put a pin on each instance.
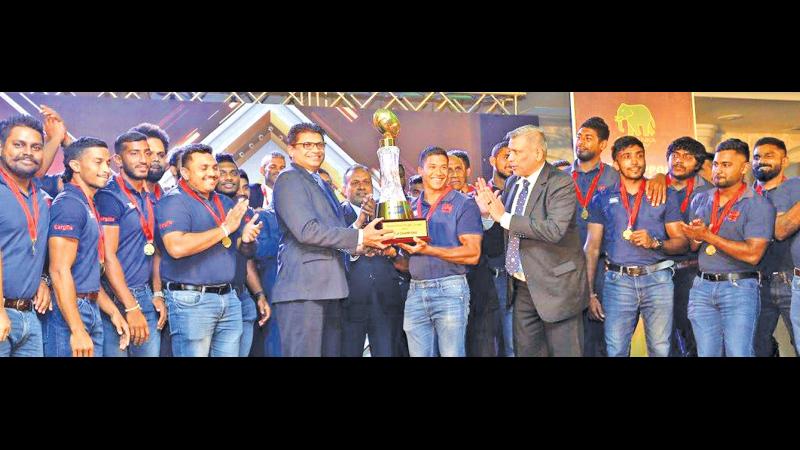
(149, 225)
(716, 222)
(638, 202)
(760, 189)
(584, 201)
(33, 219)
(689, 190)
(217, 202)
(101, 249)
(157, 191)
(435, 205)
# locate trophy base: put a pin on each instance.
(405, 230)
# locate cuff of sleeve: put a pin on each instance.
(505, 221)
(360, 236)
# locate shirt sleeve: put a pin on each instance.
(109, 208)
(672, 212)
(696, 206)
(173, 215)
(68, 216)
(787, 195)
(469, 221)
(596, 209)
(760, 222)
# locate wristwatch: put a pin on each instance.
(46, 280)
(158, 294)
(659, 244)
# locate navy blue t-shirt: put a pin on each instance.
(608, 210)
(700, 185)
(22, 264)
(115, 209)
(778, 257)
(71, 217)
(456, 215)
(751, 217)
(608, 180)
(240, 276)
(785, 197)
(177, 211)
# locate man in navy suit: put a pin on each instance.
(374, 307)
(311, 281)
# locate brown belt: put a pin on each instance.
(91, 296)
(20, 304)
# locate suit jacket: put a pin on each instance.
(256, 196)
(310, 264)
(550, 248)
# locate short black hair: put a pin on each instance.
(351, 169)
(414, 179)
(499, 146)
(561, 163)
(622, 143)
(174, 156)
(189, 150)
(20, 120)
(76, 149)
(599, 125)
(153, 131)
(693, 146)
(225, 157)
(243, 174)
(771, 141)
(128, 136)
(430, 151)
(737, 145)
(291, 138)
(460, 154)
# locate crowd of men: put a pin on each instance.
(540, 260)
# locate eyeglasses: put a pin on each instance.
(310, 145)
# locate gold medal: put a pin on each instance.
(149, 249)
(711, 250)
(585, 214)
(226, 242)
(627, 234)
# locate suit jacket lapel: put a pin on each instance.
(512, 181)
(330, 198)
(538, 188)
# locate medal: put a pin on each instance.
(226, 242)
(584, 201)
(711, 250)
(627, 234)
(149, 249)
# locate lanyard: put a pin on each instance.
(33, 219)
(434, 206)
(584, 201)
(624, 194)
(689, 190)
(716, 222)
(760, 189)
(147, 225)
(217, 218)
(101, 249)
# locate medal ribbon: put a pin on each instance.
(584, 201)
(33, 219)
(637, 203)
(147, 225)
(435, 205)
(217, 218)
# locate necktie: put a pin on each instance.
(328, 194)
(513, 261)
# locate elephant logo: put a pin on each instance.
(639, 118)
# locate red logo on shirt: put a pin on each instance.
(447, 208)
(601, 188)
(165, 224)
(733, 215)
(60, 227)
(106, 219)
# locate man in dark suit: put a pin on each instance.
(271, 166)
(374, 307)
(311, 281)
(544, 256)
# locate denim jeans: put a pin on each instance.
(796, 311)
(624, 297)
(505, 317)
(151, 347)
(724, 316)
(683, 343)
(249, 316)
(204, 324)
(25, 338)
(435, 316)
(776, 301)
(57, 332)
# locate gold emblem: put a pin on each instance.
(627, 234)
(584, 214)
(711, 250)
(149, 249)
(226, 242)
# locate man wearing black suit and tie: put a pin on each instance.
(374, 307)
(544, 255)
(311, 282)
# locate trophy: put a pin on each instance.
(392, 205)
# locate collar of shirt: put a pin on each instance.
(33, 187)
(531, 178)
(576, 167)
(355, 208)
(749, 192)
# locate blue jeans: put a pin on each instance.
(796, 312)
(624, 297)
(724, 316)
(504, 311)
(776, 301)
(25, 338)
(436, 314)
(57, 332)
(152, 347)
(204, 324)
(249, 316)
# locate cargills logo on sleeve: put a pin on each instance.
(64, 227)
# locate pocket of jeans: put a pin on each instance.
(186, 299)
(663, 276)
(612, 276)
(796, 283)
(747, 284)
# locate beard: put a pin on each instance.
(766, 175)
(131, 175)
(585, 155)
(684, 176)
(155, 176)
(502, 175)
(20, 172)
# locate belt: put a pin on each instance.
(91, 296)
(686, 264)
(239, 289)
(782, 276)
(732, 276)
(636, 271)
(20, 304)
(219, 289)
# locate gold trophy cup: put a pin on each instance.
(393, 206)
